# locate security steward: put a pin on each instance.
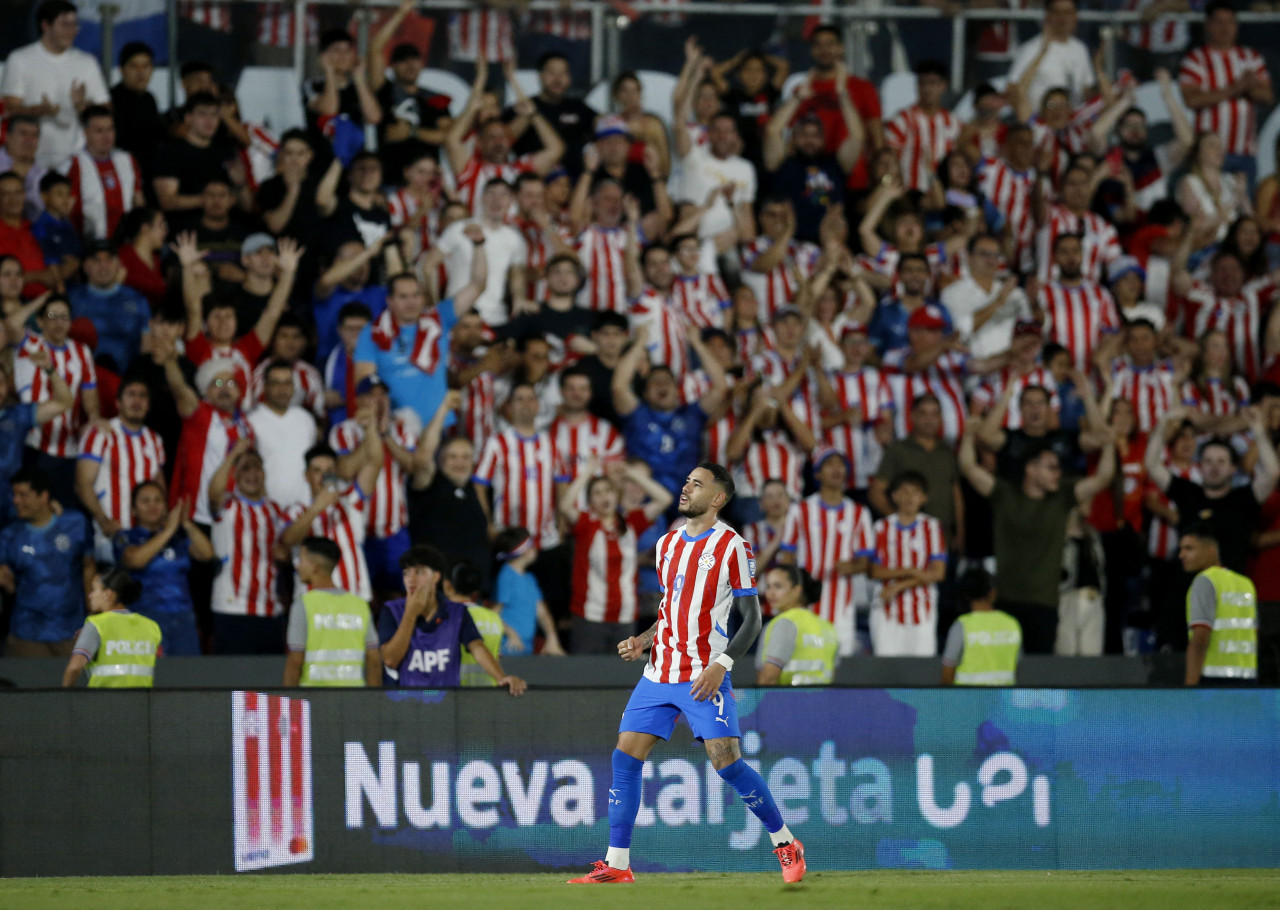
(984, 644)
(799, 647)
(1222, 616)
(118, 647)
(332, 640)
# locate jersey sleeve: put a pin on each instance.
(88, 641)
(93, 444)
(937, 548)
(343, 439)
(880, 534)
(1204, 602)
(953, 650)
(864, 542)
(488, 464)
(90, 369)
(782, 642)
(296, 636)
(790, 530)
(742, 568)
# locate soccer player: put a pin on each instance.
(706, 571)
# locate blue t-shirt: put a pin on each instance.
(57, 238)
(164, 579)
(518, 592)
(15, 422)
(888, 328)
(670, 442)
(48, 565)
(434, 658)
(409, 386)
(325, 314)
(120, 315)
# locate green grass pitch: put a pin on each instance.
(1254, 889)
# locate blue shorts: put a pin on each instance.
(655, 707)
(382, 554)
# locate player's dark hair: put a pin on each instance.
(423, 555)
(1223, 444)
(914, 478)
(49, 10)
(1202, 531)
(465, 578)
(137, 491)
(122, 584)
(720, 474)
(128, 380)
(133, 49)
(323, 549)
(974, 585)
(52, 179)
(35, 478)
(319, 450)
(810, 587)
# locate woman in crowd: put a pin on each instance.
(646, 129)
(1209, 193)
(158, 550)
(140, 239)
(1214, 389)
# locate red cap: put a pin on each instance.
(929, 316)
(1027, 327)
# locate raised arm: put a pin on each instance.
(1267, 470)
(659, 496)
(424, 456)
(868, 228)
(1183, 134)
(220, 481)
(850, 149)
(1089, 487)
(327, 190)
(982, 480)
(714, 396)
(62, 397)
(568, 503)
(377, 74)
(775, 131)
(467, 295)
(289, 256)
(695, 64)
(625, 401)
(1153, 460)
(455, 139)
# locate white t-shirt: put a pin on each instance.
(283, 440)
(504, 248)
(1066, 65)
(965, 297)
(32, 74)
(703, 172)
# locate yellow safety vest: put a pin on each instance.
(992, 639)
(489, 625)
(337, 625)
(1233, 642)
(126, 657)
(813, 662)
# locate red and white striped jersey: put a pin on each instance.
(700, 577)
(773, 455)
(986, 395)
(125, 459)
(1215, 397)
(775, 370)
(278, 27)
(216, 16)
(1010, 192)
(403, 207)
(668, 330)
(481, 32)
(943, 378)
(59, 437)
(885, 262)
(822, 537)
(603, 587)
(1239, 318)
(520, 473)
(1061, 145)
(479, 404)
(702, 299)
(754, 342)
(539, 250)
(1150, 389)
(1165, 35)
(867, 390)
(1077, 317)
(244, 535)
(308, 386)
(716, 436)
(761, 535)
(104, 190)
(697, 383)
(922, 140)
(344, 523)
(477, 173)
(778, 287)
(603, 254)
(207, 436)
(259, 159)
(576, 443)
(1233, 119)
(912, 546)
(1162, 538)
(570, 24)
(387, 505)
(1099, 239)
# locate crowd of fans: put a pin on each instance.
(1034, 337)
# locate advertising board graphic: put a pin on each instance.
(271, 770)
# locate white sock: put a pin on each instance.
(619, 857)
(781, 836)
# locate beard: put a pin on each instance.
(689, 510)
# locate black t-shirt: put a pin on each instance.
(572, 118)
(305, 224)
(601, 390)
(191, 165)
(219, 244)
(812, 184)
(635, 181)
(163, 415)
(752, 113)
(249, 308)
(1232, 518)
(140, 130)
(557, 326)
(351, 222)
(421, 110)
(348, 101)
(452, 520)
(1011, 459)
